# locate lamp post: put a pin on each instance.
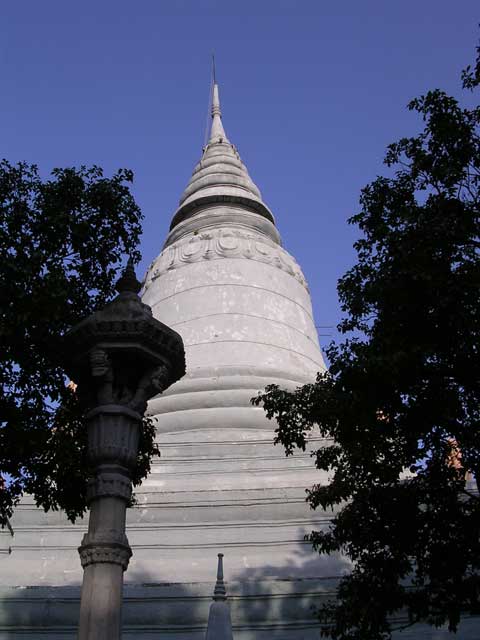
(119, 357)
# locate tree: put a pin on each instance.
(400, 403)
(61, 244)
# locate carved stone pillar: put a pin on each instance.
(120, 357)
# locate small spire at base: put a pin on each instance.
(219, 621)
(220, 593)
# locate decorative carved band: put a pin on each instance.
(109, 485)
(105, 547)
(112, 439)
(224, 243)
(110, 554)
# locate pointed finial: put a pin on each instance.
(214, 75)
(216, 111)
(128, 280)
(217, 132)
(220, 593)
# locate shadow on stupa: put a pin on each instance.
(266, 601)
(285, 596)
(152, 607)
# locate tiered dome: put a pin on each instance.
(220, 176)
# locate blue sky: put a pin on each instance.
(312, 92)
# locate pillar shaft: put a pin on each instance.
(112, 448)
(101, 604)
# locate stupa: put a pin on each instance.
(243, 309)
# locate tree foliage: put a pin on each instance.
(62, 241)
(400, 403)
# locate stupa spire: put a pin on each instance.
(220, 177)
(217, 132)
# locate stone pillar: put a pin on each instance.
(120, 357)
(105, 552)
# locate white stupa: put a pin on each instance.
(242, 306)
